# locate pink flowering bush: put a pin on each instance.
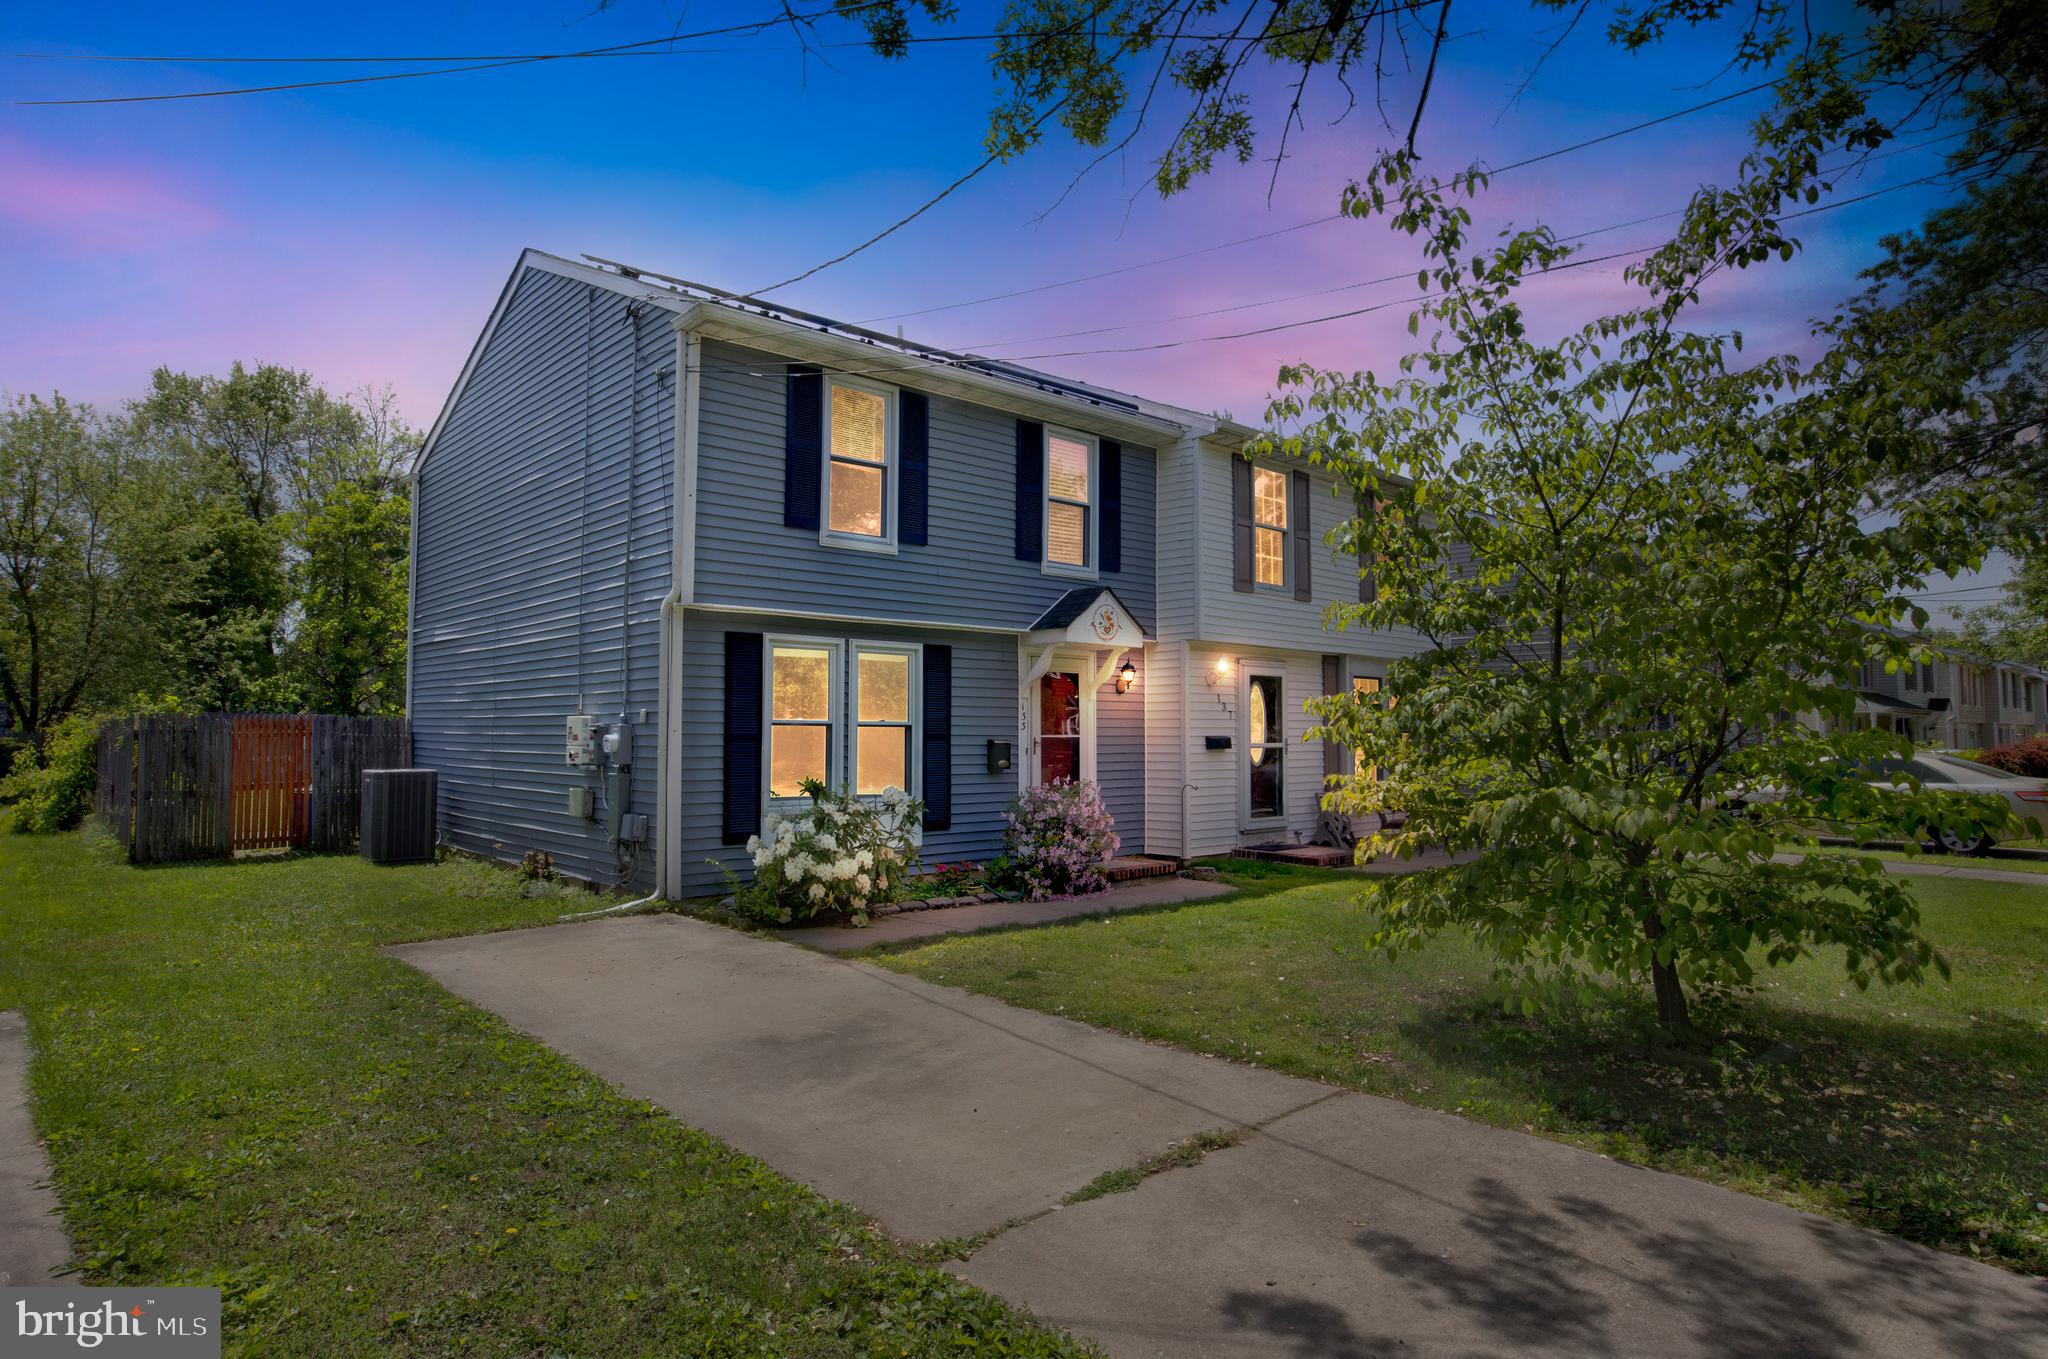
(1055, 839)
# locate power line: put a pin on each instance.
(623, 50)
(1381, 306)
(913, 365)
(1410, 273)
(753, 26)
(1313, 222)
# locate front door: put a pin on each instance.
(1059, 727)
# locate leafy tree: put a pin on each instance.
(349, 576)
(223, 613)
(59, 505)
(271, 435)
(2017, 628)
(1645, 583)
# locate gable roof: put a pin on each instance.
(1076, 602)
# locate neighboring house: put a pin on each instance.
(755, 546)
(1956, 701)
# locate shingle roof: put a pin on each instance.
(1074, 603)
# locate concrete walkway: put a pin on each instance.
(32, 1241)
(890, 929)
(1924, 870)
(1341, 1227)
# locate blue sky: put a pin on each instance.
(363, 232)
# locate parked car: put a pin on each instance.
(2026, 797)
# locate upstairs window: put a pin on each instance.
(1069, 502)
(860, 462)
(1269, 532)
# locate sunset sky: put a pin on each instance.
(363, 232)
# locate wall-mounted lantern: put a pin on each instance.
(1126, 676)
(1219, 673)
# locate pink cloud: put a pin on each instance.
(97, 205)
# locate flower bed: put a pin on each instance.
(1056, 838)
(840, 856)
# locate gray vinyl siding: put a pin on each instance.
(984, 709)
(968, 573)
(529, 604)
(1120, 756)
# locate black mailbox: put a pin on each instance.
(998, 757)
(1215, 743)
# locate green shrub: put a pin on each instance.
(838, 856)
(52, 791)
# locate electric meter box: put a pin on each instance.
(618, 743)
(583, 730)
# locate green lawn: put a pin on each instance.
(238, 1088)
(1916, 1110)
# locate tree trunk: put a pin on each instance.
(1671, 1008)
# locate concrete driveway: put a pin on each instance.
(1342, 1226)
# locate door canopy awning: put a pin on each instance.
(1091, 616)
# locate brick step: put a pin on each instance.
(1138, 866)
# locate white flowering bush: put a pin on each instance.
(1056, 838)
(839, 856)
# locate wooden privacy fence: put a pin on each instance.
(204, 787)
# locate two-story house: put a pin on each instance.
(1955, 700)
(676, 552)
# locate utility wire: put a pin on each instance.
(912, 365)
(1410, 273)
(1537, 159)
(753, 26)
(1381, 306)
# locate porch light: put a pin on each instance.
(1126, 676)
(1220, 672)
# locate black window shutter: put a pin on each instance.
(913, 482)
(1030, 491)
(938, 737)
(1241, 525)
(803, 445)
(1336, 759)
(742, 736)
(1112, 505)
(1368, 583)
(1304, 540)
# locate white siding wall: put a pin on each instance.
(1218, 812)
(1165, 702)
(1268, 617)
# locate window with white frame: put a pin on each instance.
(820, 692)
(860, 461)
(884, 716)
(1269, 531)
(803, 678)
(1265, 747)
(1070, 526)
